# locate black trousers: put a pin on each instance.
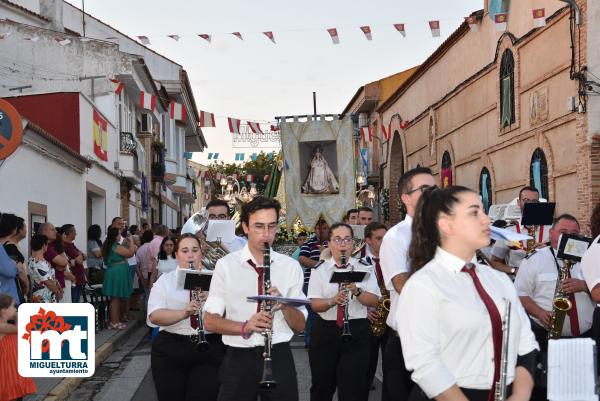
(473, 395)
(396, 379)
(336, 364)
(596, 333)
(377, 343)
(182, 373)
(242, 370)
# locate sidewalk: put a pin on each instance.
(58, 389)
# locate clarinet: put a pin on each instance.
(201, 343)
(267, 380)
(346, 334)
(500, 385)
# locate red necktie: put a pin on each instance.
(193, 316)
(495, 320)
(260, 272)
(573, 317)
(378, 272)
(340, 308)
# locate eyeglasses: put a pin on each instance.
(217, 217)
(342, 241)
(527, 200)
(422, 188)
(261, 227)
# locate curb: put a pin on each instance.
(62, 390)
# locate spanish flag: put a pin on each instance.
(100, 137)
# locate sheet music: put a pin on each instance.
(220, 230)
(358, 230)
(181, 273)
(497, 233)
(571, 370)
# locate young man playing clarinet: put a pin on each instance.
(242, 323)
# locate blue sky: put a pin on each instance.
(257, 80)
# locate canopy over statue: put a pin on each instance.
(317, 181)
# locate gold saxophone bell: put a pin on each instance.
(379, 326)
(560, 304)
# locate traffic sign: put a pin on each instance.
(11, 129)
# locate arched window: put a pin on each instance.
(446, 172)
(485, 188)
(538, 173)
(507, 89)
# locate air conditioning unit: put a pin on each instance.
(146, 124)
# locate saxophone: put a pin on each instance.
(530, 245)
(560, 304)
(379, 326)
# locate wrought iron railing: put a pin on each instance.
(128, 143)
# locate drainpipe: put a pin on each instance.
(574, 5)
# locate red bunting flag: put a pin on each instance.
(234, 125)
(472, 21)
(334, 36)
(435, 28)
(206, 37)
(400, 28)
(274, 128)
(269, 34)
(367, 31)
(207, 119)
(366, 134)
(174, 37)
(255, 127)
(501, 21)
(177, 111)
(144, 40)
(147, 101)
(403, 124)
(118, 86)
(539, 17)
(237, 35)
(387, 133)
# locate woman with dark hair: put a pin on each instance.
(68, 276)
(180, 370)
(94, 254)
(166, 256)
(12, 230)
(450, 311)
(335, 363)
(117, 279)
(45, 287)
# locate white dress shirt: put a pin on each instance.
(590, 264)
(393, 258)
(537, 278)
(446, 331)
(320, 287)
(234, 279)
(514, 257)
(166, 295)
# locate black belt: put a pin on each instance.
(211, 337)
(256, 349)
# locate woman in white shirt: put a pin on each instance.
(166, 255)
(450, 311)
(335, 363)
(180, 370)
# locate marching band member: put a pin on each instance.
(450, 310)
(181, 371)
(237, 276)
(332, 361)
(218, 209)
(397, 384)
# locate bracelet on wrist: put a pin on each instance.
(243, 333)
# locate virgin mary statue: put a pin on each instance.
(320, 179)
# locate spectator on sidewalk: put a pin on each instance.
(44, 286)
(76, 259)
(300, 240)
(166, 257)
(69, 277)
(55, 256)
(12, 231)
(117, 279)
(160, 233)
(8, 274)
(94, 255)
(144, 263)
(12, 385)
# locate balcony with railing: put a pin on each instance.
(129, 162)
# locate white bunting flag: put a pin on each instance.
(539, 17)
(367, 31)
(178, 111)
(334, 36)
(207, 119)
(234, 125)
(237, 35)
(174, 37)
(249, 178)
(435, 28)
(270, 35)
(255, 127)
(400, 28)
(144, 40)
(471, 20)
(62, 41)
(366, 134)
(501, 21)
(206, 37)
(147, 101)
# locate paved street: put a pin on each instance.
(125, 375)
